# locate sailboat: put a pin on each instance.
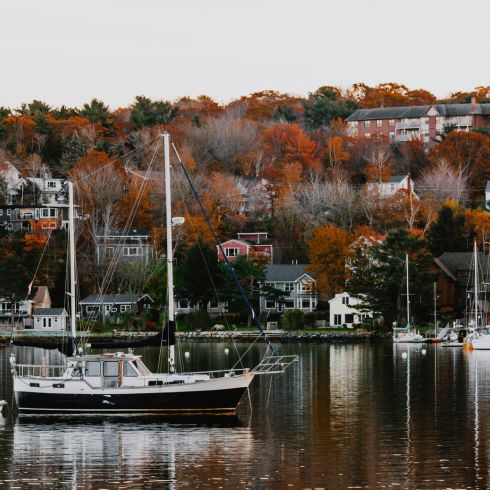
(478, 337)
(408, 333)
(120, 382)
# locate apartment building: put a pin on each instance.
(399, 124)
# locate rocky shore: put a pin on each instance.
(116, 339)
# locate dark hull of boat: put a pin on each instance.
(217, 401)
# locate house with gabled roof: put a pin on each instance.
(111, 306)
(394, 184)
(298, 286)
(247, 243)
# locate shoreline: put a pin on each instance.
(39, 338)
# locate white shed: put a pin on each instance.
(343, 311)
(49, 319)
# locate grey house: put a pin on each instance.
(109, 307)
(297, 284)
(128, 246)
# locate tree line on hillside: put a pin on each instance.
(267, 161)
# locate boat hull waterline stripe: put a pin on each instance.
(189, 401)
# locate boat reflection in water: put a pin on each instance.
(126, 451)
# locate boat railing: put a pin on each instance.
(274, 364)
(39, 370)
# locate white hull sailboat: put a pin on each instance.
(478, 337)
(120, 382)
(407, 334)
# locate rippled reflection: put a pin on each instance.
(346, 416)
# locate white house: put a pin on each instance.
(49, 319)
(11, 176)
(343, 311)
(487, 196)
(394, 184)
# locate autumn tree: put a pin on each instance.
(468, 151)
(288, 143)
(328, 249)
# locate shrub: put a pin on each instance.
(293, 320)
(198, 320)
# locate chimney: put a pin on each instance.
(473, 105)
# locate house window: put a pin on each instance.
(392, 135)
(367, 135)
(9, 212)
(213, 304)
(51, 184)
(270, 305)
(1, 212)
(391, 122)
(305, 303)
(289, 286)
(349, 318)
(124, 308)
(337, 320)
(305, 287)
(367, 124)
(109, 251)
(183, 303)
(232, 252)
(379, 123)
(345, 300)
(289, 304)
(132, 251)
(48, 213)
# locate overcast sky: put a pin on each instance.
(67, 51)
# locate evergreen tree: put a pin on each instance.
(447, 233)
(382, 283)
(147, 113)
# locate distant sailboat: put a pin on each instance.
(408, 333)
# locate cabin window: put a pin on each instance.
(92, 368)
(129, 370)
(111, 368)
(77, 370)
(232, 252)
(142, 368)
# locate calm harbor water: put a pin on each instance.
(345, 416)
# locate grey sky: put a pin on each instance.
(66, 51)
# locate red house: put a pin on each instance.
(245, 244)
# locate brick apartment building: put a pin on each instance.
(423, 122)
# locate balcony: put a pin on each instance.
(408, 125)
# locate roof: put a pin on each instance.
(285, 272)
(96, 299)
(397, 178)
(418, 111)
(49, 312)
(454, 262)
(127, 233)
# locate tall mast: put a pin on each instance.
(408, 293)
(476, 284)
(71, 236)
(435, 309)
(170, 265)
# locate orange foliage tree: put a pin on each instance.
(288, 143)
(328, 249)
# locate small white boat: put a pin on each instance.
(407, 334)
